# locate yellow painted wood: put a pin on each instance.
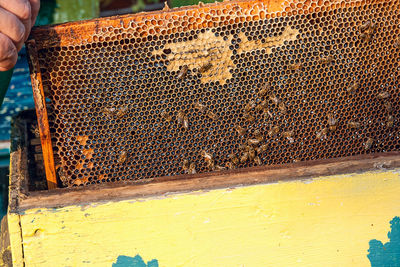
(15, 239)
(326, 221)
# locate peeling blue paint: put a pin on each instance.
(137, 261)
(388, 254)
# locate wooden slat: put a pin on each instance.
(207, 181)
(41, 112)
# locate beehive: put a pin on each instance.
(215, 87)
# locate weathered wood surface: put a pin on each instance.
(321, 221)
(186, 183)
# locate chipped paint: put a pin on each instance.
(283, 224)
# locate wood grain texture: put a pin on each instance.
(41, 112)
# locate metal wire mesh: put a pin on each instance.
(221, 86)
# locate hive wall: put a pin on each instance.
(221, 86)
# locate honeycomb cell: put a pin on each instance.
(136, 97)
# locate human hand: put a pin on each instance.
(17, 17)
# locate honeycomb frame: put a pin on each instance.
(215, 87)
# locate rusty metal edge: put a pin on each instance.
(41, 112)
(77, 33)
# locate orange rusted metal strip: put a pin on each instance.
(41, 113)
(83, 32)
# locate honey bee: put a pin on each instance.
(261, 106)
(354, 124)
(332, 122)
(353, 87)
(121, 112)
(274, 98)
(207, 156)
(200, 107)
(183, 71)
(368, 143)
(289, 136)
(240, 130)
(367, 30)
(257, 160)
(282, 108)
(192, 168)
(365, 26)
(122, 157)
(243, 147)
(110, 111)
(230, 165)
(322, 134)
(233, 159)
(384, 95)
(185, 123)
(326, 60)
(261, 149)
(397, 43)
(211, 164)
(269, 113)
(166, 116)
(273, 131)
(254, 141)
(212, 115)
(250, 106)
(365, 36)
(252, 153)
(185, 165)
(390, 121)
(258, 134)
(219, 168)
(388, 106)
(249, 117)
(244, 157)
(35, 131)
(368, 27)
(295, 67)
(206, 67)
(264, 90)
(182, 119)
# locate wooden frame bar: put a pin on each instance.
(41, 111)
(81, 33)
(207, 181)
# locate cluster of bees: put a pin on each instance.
(184, 70)
(252, 148)
(367, 30)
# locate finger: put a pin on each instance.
(21, 9)
(11, 26)
(8, 53)
(35, 6)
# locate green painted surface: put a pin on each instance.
(388, 254)
(5, 78)
(59, 11)
(137, 261)
(179, 3)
